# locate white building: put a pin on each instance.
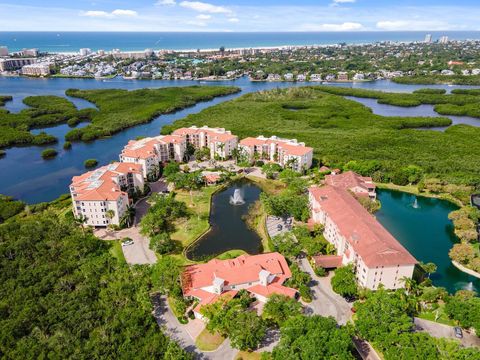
(153, 151)
(221, 142)
(285, 152)
(85, 51)
(15, 63)
(102, 195)
(3, 51)
(428, 38)
(378, 258)
(37, 69)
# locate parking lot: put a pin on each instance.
(278, 225)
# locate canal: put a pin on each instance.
(228, 229)
(427, 233)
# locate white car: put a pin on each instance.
(127, 242)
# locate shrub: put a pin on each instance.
(320, 271)
(3, 153)
(67, 145)
(49, 153)
(90, 163)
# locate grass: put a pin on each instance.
(230, 254)
(442, 316)
(246, 355)
(206, 341)
(190, 229)
(341, 130)
(116, 251)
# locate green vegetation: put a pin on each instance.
(230, 254)
(207, 341)
(342, 130)
(90, 163)
(42, 111)
(439, 79)
(344, 282)
(464, 307)
(121, 109)
(430, 91)
(49, 153)
(63, 295)
(280, 308)
(313, 337)
(9, 207)
(67, 145)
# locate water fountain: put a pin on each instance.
(237, 197)
(469, 286)
(415, 204)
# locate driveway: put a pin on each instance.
(273, 222)
(142, 206)
(445, 331)
(325, 301)
(179, 333)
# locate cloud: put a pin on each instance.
(390, 25)
(203, 17)
(109, 15)
(346, 26)
(234, 20)
(166, 3)
(197, 23)
(205, 7)
(343, 1)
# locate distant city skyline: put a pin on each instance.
(239, 15)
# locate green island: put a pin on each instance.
(118, 110)
(455, 79)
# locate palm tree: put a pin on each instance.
(429, 268)
(220, 147)
(409, 284)
(81, 220)
(127, 216)
(110, 214)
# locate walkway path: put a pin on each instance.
(325, 301)
(445, 331)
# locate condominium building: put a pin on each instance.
(152, 151)
(261, 275)
(359, 185)
(38, 69)
(360, 239)
(15, 63)
(102, 195)
(221, 142)
(3, 51)
(285, 152)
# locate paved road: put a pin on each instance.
(178, 332)
(325, 301)
(445, 331)
(142, 206)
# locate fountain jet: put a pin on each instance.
(237, 198)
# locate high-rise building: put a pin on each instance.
(3, 51)
(444, 39)
(428, 38)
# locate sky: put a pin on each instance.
(239, 15)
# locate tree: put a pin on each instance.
(464, 309)
(81, 220)
(170, 169)
(313, 337)
(429, 268)
(166, 275)
(344, 282)
(462, 253)
(128, 216)
(246, 330)
(160, 216)
(162, 243)
(280, 308)
(110, 214)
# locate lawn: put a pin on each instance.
(207, 341)
(190, 229)
(230, 254)
(441, 317)
(116, 250)
(245, 355)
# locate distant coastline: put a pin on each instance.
(71, 42)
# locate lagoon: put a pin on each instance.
(427, 233)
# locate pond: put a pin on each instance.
(228, 229)
(427, 233)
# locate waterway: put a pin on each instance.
(29, 177)
(228, 230)
(427, 233)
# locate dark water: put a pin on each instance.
(228, 230)
(423, 110)
(29, 177)
(427, 233)
(73, 41)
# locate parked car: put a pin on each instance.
(127, 242)
(350, 298)
(458, 332)
(279, 227)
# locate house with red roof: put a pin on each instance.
(104, 191)
(221, 142)
(349, 180)
(262, 275)
(285, 152)
(360, 239)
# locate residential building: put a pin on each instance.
(428, 38)
(351, 181)
(342, 76)
(378, 258)
(261, 275)
(15, 63)
(37, 69)
(285, 152)
(221, 142)
(102, 195)
(152, 151)
(3, 51)
(288, 77)
(85, 51)
(316, 77)
(443, 40)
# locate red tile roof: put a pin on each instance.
(283, 144)
(215, 134)
(369, 239)
(327, 261)
(350, 180)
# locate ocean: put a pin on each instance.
(134, 41)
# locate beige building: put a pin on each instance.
(221, 142)
(360, 239)
(285, 152)
(11, 64)
(360, 185)
(38, 69)
(152, 151)
(102, 195)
